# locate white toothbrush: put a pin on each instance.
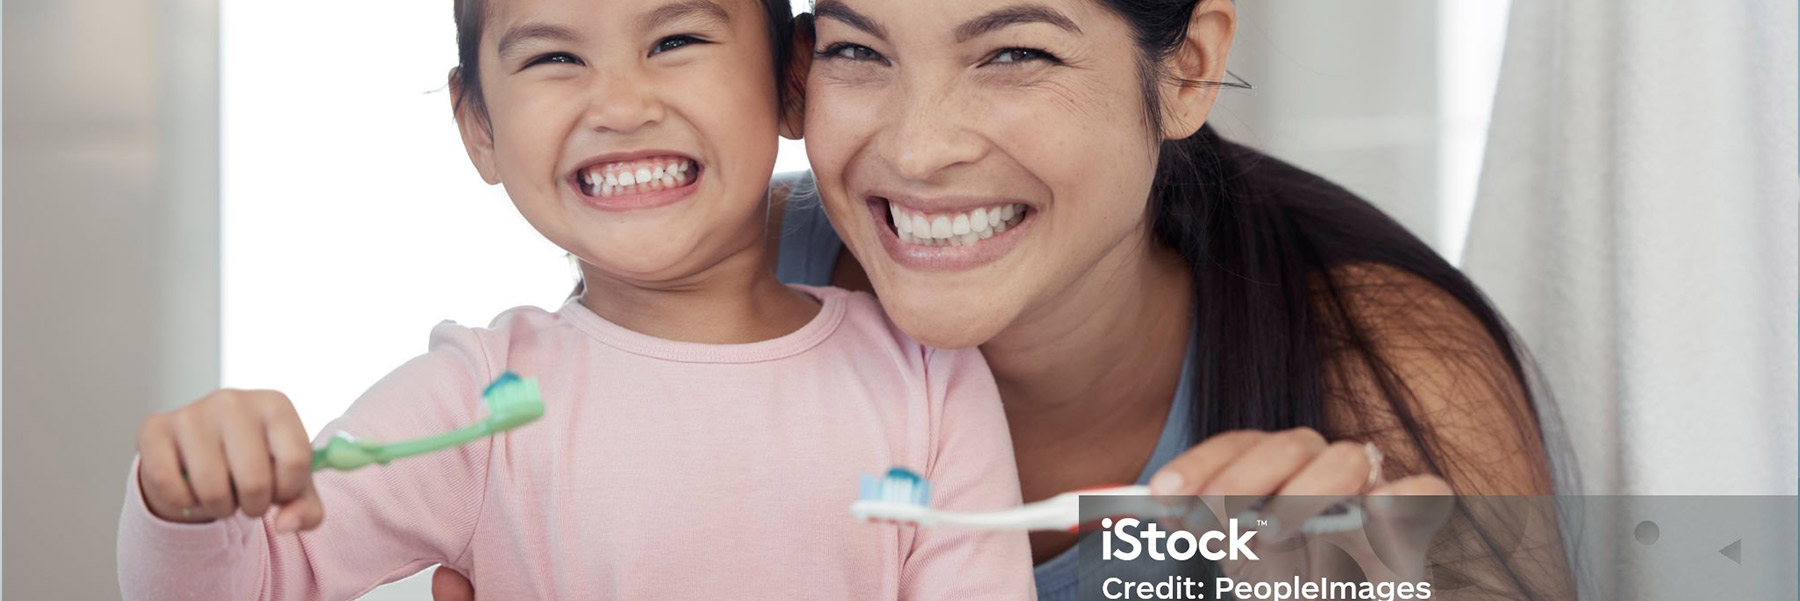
(903, 496)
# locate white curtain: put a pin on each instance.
(1637, 222)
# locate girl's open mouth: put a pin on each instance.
(635, 181)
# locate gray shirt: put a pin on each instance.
(809, 251)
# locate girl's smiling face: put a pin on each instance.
(636, 134)
(929, 116)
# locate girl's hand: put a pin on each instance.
(1299, 475)
(232, 450)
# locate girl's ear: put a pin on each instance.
(793, 109)
(1194, 69)
(477, 136)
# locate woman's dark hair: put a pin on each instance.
(472, 14)
(1284, 266)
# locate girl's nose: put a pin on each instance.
(623, 105)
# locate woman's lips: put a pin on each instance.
(949, 240)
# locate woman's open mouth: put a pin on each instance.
(942, 239)
(636, 183)
(961, 228)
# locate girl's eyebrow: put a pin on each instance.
(517, 36)
(670, 12)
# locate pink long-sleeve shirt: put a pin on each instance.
(660, 470)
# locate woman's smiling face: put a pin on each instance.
(979, 157)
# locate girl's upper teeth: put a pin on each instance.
(954, 229)
(636, 177)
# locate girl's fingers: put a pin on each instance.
(209, 479)
(303, 513)
(159, 473)
(291, 450)
(1338, 472)
(1267, 464)
(1186, 473)
(247, 453)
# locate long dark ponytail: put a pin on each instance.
(1274, 250)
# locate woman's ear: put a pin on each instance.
(1197, 65)
(793, 109)
(477, 135)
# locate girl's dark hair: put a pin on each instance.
(472, 14)
(1284, 268)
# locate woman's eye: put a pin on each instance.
(1013, 56)
(555, 57)
(673, 42)
(852, 52)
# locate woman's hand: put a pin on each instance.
(229, 451)
(1298, 476)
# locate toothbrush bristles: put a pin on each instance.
(900, 485)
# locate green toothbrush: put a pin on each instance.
(511, 401)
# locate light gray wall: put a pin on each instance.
(110, 264)
(1348, 90)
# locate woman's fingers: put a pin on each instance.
(1340, 471)
(1186, 473)
(1267, 464)
(450, 585)
(1403, 518)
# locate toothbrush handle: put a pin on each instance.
(344, 454)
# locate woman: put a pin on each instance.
(1157, 304)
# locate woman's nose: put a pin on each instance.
(928, 136)
(623, 105)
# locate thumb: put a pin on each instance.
(303, 513)
(450, 585)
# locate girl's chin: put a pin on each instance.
(642, 264)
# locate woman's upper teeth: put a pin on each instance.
(636, 177)
(954, 229)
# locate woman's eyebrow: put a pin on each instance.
(837, 11)
(517, 36)
(1018, 14)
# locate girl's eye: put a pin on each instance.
(1014, 56)
(850, 52)
(673, 42)
(555, 57)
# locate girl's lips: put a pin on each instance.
(945, 258)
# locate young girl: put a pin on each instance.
(705, 425)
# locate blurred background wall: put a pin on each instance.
(110, 264)
(197, 191)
